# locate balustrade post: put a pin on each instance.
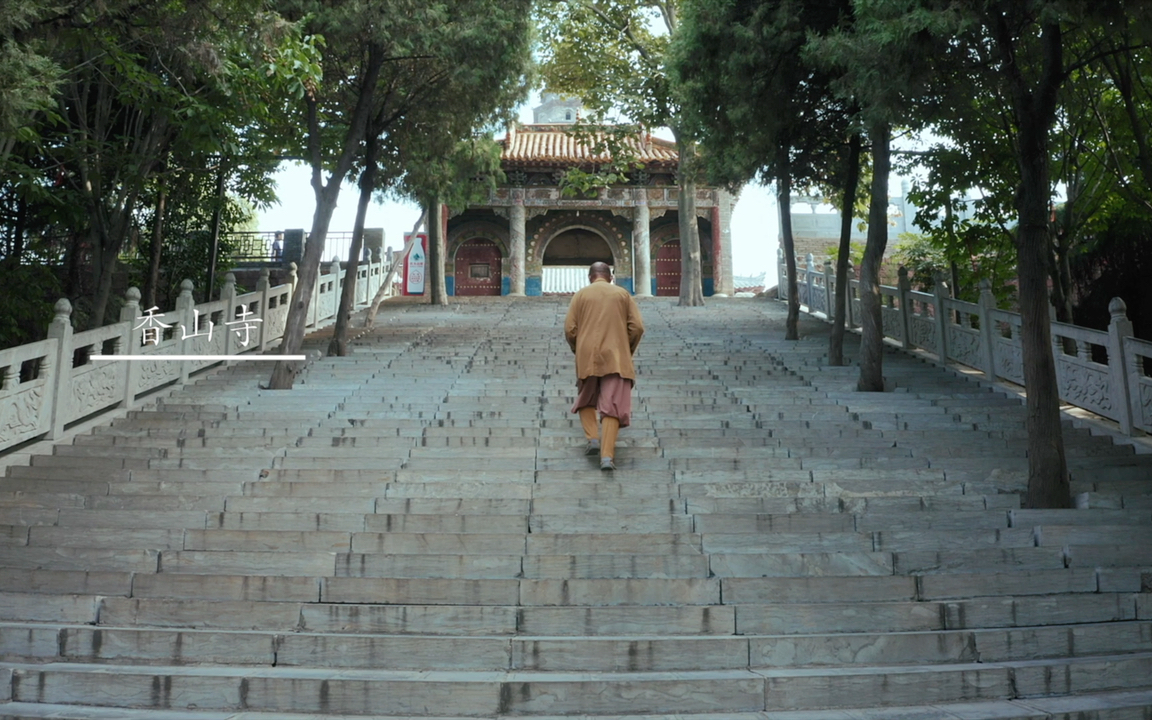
(60, 371)
(262, 287)
(185, 305)
(939, 294)
(829, 291)
(314, 303)
(781, 276)
(228, 295)
(810, 278)
(904, 286)
(849, 312)
(987, 330)
(131, 343)
(339, 277)
(1122, 380)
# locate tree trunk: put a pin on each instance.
(284, 373)
(784, 202)
(871, 319)
(1048, 485)
(109, 242)
(156, 250)
(691, 271)
(386, 283)
(338, 345)
(437, 287)
(851, 183)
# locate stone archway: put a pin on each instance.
(577, 245)
(566, 258)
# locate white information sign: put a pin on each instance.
(414, 277)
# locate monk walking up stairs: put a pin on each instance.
(415, 531)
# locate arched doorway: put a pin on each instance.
(668, 269)
(567, 257)
(577, 246)
(478, 264)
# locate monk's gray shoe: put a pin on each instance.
(607, 464)
(592, 448)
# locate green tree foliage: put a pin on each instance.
(615, 147)
(28, 77)
(759, 109)
(612, 54)
(428, 72)
(996, 85)
(148, 94)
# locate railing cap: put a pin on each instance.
(1118, 309)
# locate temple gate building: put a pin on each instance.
(530, 239)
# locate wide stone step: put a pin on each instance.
(1094, 706)
(632, 653)
(527, 692)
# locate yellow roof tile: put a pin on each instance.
(554, 144)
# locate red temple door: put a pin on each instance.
(668, 269)
(478, 268)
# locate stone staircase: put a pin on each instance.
(413, 531)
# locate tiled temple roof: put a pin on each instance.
(553, 145)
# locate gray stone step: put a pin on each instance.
(772, 537)
(528, 692)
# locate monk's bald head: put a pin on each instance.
(599, 270)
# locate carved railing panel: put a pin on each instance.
(891, 315)
(276, 316)
(819, 296)
(1087, 373)
(1081, 380)
(965, 345)
(1138, 364)
(95, 385)
(35, 395)
(24, 414)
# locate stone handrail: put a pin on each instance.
(48, 385)
(1106, 372)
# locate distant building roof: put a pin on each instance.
(556, 145)
(557, 109)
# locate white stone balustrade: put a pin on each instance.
(1106, 372)
(47, 385)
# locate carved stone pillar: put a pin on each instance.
(516, 235)
(722, 261)
(641, 252)
(717, 254)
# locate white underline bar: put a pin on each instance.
(213, 358)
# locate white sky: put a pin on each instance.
(755, 220)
